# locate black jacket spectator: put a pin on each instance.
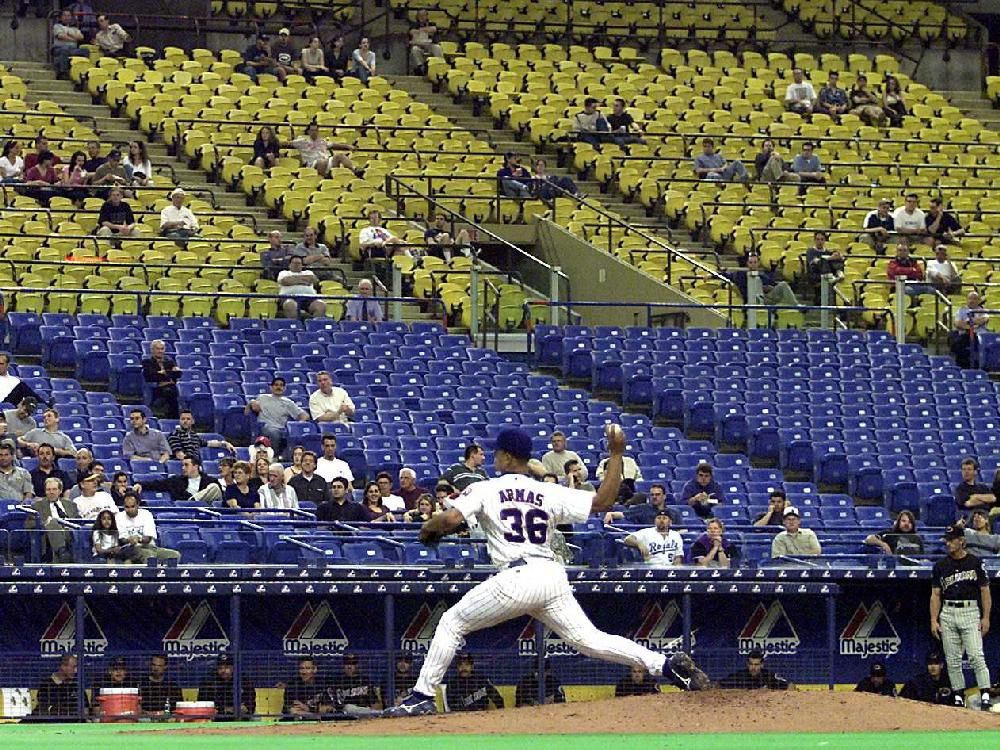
(177, 486)
(120, 214)
(38, 478)
(314, 490)
(348, 511)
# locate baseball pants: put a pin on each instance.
(960, 632)
(540, 589)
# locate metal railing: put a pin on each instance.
(96, 191)
(50, 212)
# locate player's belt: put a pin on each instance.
(523, 561)
(957, 603)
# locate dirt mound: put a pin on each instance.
(712, 711)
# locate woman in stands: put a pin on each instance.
(865, 104)
(73, 177)
(372, 504)
(423, 511)
(266, 149)
(339, 58)
(712, 549)
(313, 60)
(11, 163)
(241, 493)
(893, 102)
(549, 187)
(296, 468)
(137, 164)
(363, 61)
(258, 477)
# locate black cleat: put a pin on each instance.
(682, 672)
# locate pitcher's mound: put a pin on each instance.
(711, 711)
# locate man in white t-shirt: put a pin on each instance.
(659, 545)
(942, 273)
(136, 526)
(177, 220)
(800, 96)
(329, 466)
(908, 219)
(329, 403)
(92, 501)
(376, 241)
(297, 291)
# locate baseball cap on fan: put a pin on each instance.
(515, 442)
(953, 532)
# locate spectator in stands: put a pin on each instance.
(711, 165)
(163, 373)
(137, 527)
(41, 146)
(266, 148)
(422, 44)
(942, 273)
(865, 104)
(443, 493)
(637, 682)
(468, 470)
(192, 484)
(240, 494)
(551, 478)
(159, 695)
(338, 58)
(769, 165)
(909, 220)
(964, 340)
(92, 499)
(901, 539)
(20, 420)
(283, 54)
(309, 486)
(85, 15)
(110, 38)
(306, 695)
(878, 226)
(57, 694)
(623, 128)
(275, 258)
(794, 540)
(48, 434)
(515, 179)
(275, 410)
(66, 40)
(119, 486)
(185, 441)
(112, 171)
(978, 536)
(355, 694)
(330, 403)
(822, 262)
(275, 494)
(893, 102)
(808, 167)
(97, 469)
(312, 60)
(439, 240)
(73, 176)
(469, 690)
(590, 125)
(219, 689)
(644, 512)
(340, 507)
(315, 255)
(376, 241)
(877, 682)
(138, 167)
(144, 443)
(41, 177)
(631, 473)
(800, 96)
(11, 163)
(930, 686)
(390, 500)
(116, 218)
(296, 466)
(51, 508)
(555, 460)
(659, 545)
(177, 220)
(941, 225)
(713, 549)
(297, 292)
(46, 469)
(84, 464)
(363, 61)
(15, 482)
(526, 692)
(408, 488)
(907, 268)
(329, 466)
(832, 99)
(94, 158)
(257, 59)
(364, 308)
(702, 492)
(754, 676)
(772, 517)
(423, 512)
(970, 493)
(573, 476)
(373, 507)
(548, 187)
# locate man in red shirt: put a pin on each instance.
(908, 268)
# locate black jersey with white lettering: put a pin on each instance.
(959, 579)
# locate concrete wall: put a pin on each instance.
(29, 41)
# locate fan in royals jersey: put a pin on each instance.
(518, 516)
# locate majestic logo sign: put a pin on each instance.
(196, 633)
(869, 632)
(553, 644)
(770, 630)
(661, 628)
(316, 631)
(60, 636)
(418, 634)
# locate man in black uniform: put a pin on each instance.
(219, 689)
(116, 677)
(306, 695)
(636, 682)
(877, 682)
(470, 691)
(931, 685)
(755, 676)
(960, 614)
(405, 679)
(159, 695)
(57, 694)
(526, 693)
(354, 693)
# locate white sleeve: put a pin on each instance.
(469, 503)
(149, 526)
(293, 498)
(569, 506)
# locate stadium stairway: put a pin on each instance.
(975, 104)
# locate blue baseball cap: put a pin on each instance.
(515, 442)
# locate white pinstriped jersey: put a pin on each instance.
(518, 514)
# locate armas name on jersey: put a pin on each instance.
(521, 495)
(959, 577)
